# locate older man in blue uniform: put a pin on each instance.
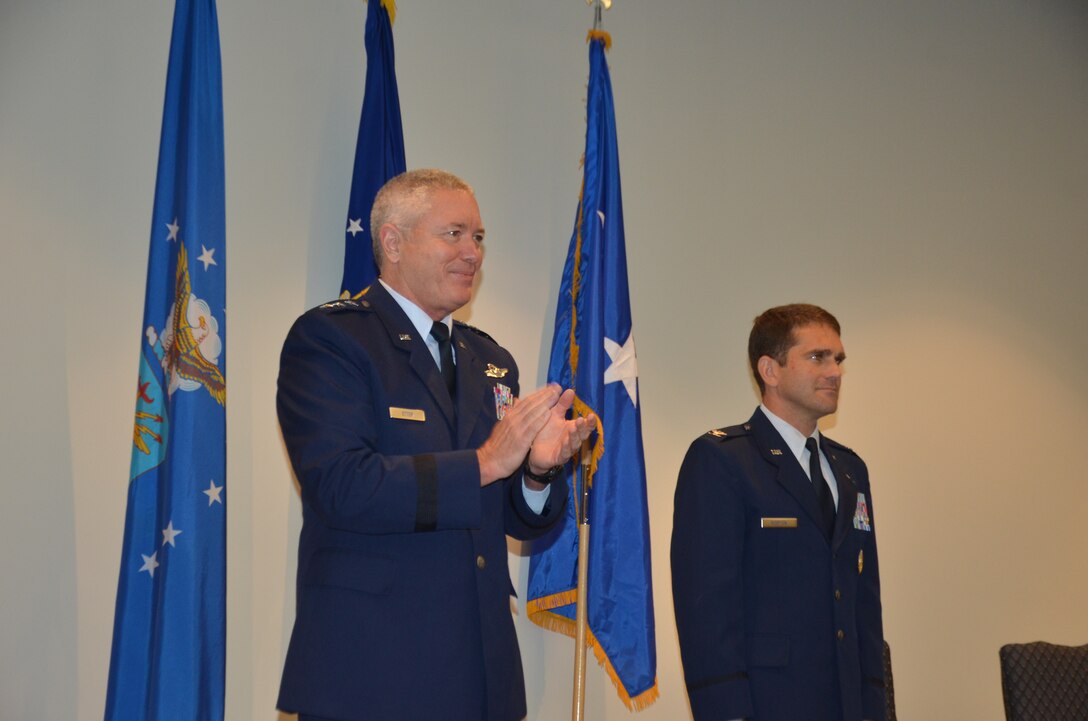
(774, 564)
(415, 462)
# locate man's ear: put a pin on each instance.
(390, 238)
(768, 370)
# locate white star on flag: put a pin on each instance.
(150, 564)
(213, 493)
(169, 534)
(206, 257)
(174, 228)
(624, 366)
(355, 225)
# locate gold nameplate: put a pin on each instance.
(407, 414)
(778, 523)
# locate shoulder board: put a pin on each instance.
(344, 305)
(474, 329)
(838, 446)
(724, 434)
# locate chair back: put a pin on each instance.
(1044, 682)
(889, 687)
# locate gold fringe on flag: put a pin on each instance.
(391, 8)
(580, 407)
(539, 611)
(596, 35)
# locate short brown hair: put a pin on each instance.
(772, 332)
(405, 198)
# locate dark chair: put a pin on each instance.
(889, 687)
(1044, 682)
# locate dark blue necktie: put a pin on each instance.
(441, 333)
(819, 484)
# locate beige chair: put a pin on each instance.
(1044, 682)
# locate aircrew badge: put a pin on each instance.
(504, 398)
(861, 515)
(493, 371)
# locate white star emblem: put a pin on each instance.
(601, 214)
(355, 225)
(150, 564)
(174, 228)
(624, 365)
(213, 493)
(206, 257)
(169, 534)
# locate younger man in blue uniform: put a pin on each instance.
(774, 565)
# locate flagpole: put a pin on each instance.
(582, 607)
(581, 613)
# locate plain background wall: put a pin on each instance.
(920, 168)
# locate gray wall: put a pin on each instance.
(920, 168)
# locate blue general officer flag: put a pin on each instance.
(379, 151)
(593, 351)
(169, 629)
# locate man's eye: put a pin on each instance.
(479, 237)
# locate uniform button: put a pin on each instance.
(838, 595)
(481, 563)
(839, 634)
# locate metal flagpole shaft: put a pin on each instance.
(581, 609)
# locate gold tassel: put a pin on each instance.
(596, 35)
(391, 7)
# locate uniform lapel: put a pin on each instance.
(404, 336)
(790, 474)
(471, 387)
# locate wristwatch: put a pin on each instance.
(546, 477)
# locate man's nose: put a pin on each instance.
(473, 252)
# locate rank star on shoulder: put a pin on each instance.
(624, 365)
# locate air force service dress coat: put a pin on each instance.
(775, 622)
(403, 590)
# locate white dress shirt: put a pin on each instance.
(796, 442)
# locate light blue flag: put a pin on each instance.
(379, 151)
(593, 351)
(169, 630)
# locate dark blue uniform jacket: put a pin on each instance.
(403, 596)
(775, 622)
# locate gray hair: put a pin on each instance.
(405, 198)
